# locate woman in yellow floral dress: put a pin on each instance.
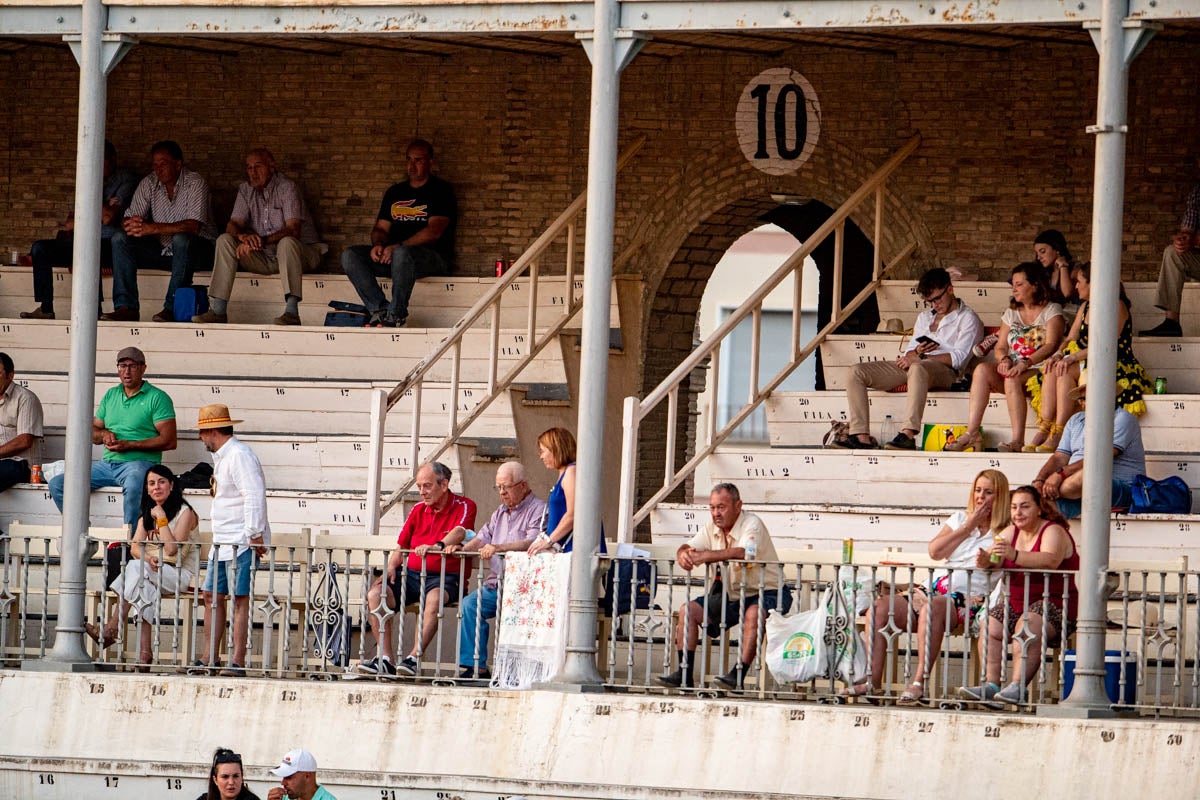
(1051, 390)
(1031, 330)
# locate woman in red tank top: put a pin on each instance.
(1042, 606)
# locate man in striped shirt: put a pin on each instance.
(168, 225)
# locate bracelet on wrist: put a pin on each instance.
(161, 522)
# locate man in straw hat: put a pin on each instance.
(1061, 479)
(135, 422)
(239, 531)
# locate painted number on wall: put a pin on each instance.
(778, 121)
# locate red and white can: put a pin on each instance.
(501, 267)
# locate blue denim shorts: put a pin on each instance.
(220, 569)
(732, 611)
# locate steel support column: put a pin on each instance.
(1116, 51)
(580, 665)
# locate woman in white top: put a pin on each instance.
(952, 590)
(160, 560)
(1031, 331)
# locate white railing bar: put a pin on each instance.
(628, 453)
(493, 349)
(375, 459)
(715, 378)
(797, 311)
(797, 258)
(531, 322)
(415, 459)
(672, 427)
(670, 483)
(878, 259)
(755, 350)
(455, 374)
(839, 249)
(571, 244)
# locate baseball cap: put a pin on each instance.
(133, 354)
(295, 761)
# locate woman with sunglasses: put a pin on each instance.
(225, 780)
(1031, 330)
(1042, 606)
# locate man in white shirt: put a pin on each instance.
(239, 531)
(738, 594)
(936, 356)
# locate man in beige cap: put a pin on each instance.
(136, 424)
(239, 531)
(298, 774)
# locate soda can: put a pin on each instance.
(35, 473)
(847, 551)
(501, 267)
(1160, 385)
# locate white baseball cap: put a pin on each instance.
(295, 761)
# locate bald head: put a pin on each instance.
(511, 484)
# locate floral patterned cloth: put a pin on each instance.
(533, 619)
(1024, 340)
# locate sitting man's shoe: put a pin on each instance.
(122, 314)
(378, 319)
(287, 318)
(734, 679)
(675, 680)
(902, 442)
(852, 442)
(471, 674)
(377, 666)
(234, 670)
(1013, 694)
(37, 313)
(164, 316)
(984, 692)
(1168, 327)
(198, 667)
(408, 666)
(210, 317)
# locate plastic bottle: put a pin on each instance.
(996, 558)
(752, 549)
(470, 535)
(888, 431)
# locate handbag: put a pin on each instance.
(1168, 496)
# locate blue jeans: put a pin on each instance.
(408, 264)
(479, 604)
(1122, 497)
(129, 253)
(129, 475)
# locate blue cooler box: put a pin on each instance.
(1112, 676)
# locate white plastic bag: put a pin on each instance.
(857, 586)
(53, 469)
(845, 643)
(796, 645)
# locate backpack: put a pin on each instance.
(1168, 496)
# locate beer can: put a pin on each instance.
(501, 267)
(1160, 385)
(35, 473)
(996, 558)
(847, 551)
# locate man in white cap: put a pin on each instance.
(239, 531)
(298, 774)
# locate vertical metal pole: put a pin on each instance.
(1107, 217)
(89, 179)
(580, 664)
(375, 458)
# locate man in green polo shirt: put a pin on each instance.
(136, 423)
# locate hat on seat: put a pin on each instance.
(215, 416)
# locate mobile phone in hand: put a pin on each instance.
(927, 340)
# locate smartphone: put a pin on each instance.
(927, 340)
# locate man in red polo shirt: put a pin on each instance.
(425, 534)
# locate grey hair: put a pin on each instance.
(514, 469)
(442, 472)
(729, 489)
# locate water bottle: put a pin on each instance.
(751, 549)
(888, 431)
(469, 535)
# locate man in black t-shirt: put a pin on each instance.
(413, 238)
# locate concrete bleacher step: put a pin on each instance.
(822, 526)
(899, 299)
(301, 353)
(802, 418)
(892, 478)
(293, 406)
(288, 510)
(1173, 359)
(257, 299)
(308, 462)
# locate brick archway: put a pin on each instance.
(677, 244)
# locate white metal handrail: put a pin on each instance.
(635, 412)
(565, 227)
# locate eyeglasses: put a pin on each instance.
(935, 300)
(502, 488)
(125, 365)
(228, 757)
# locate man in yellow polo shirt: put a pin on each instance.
(136, 423)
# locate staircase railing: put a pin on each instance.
(567, 228)
(635, 411)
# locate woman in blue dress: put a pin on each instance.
(556, 448)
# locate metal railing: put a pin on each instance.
(564, 231)
(635, 412)
(310, 613)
